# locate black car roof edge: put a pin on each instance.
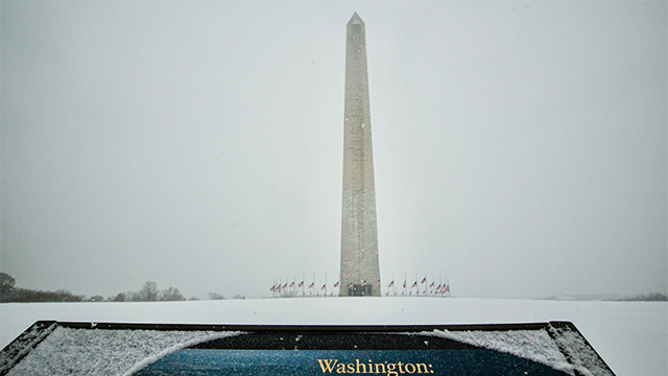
(310, 327)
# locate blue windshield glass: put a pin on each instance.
(478, 362)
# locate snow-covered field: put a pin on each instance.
(632, 337)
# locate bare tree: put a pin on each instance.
(7, 283)
(216, 296)
(171, 294)
(148, 293)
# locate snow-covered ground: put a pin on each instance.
(632, 337)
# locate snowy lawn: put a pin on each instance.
(632, 337)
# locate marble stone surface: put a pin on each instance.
(359, 235)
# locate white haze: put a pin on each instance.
(520, 148)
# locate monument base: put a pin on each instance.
(359, 289)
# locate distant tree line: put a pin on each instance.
(217, 296)
(652, 297)
(148, 293)
(10, 293)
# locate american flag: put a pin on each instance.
(391, 284)
(312, 285)
(404, 284)
(363, 283)
(273, 288)
(432, 284)
(336, 284)
(377, 283)
(424, 280)
(414, 284)
(323, 286)
(350, 285)
(301, 284)
(292, 284)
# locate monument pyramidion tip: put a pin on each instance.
(355, 20)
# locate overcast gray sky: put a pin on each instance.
(520, 147)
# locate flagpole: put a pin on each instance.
(433, 283)
(425, 284)
(417, 287)
(405, 294)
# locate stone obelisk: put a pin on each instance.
(360, 272)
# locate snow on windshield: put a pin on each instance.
(536, 345)
(106, 352)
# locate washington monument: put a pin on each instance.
(360, 272)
